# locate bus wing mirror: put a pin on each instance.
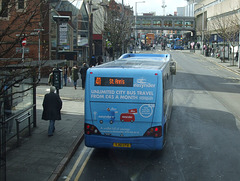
(173, 68)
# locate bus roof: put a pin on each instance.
(138, 61)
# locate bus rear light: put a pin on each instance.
(154, 132)
(91, 129)
(88, 126)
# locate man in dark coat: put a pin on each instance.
(83, 72)
(52, 104)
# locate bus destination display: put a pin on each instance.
(113, 81)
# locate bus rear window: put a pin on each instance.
(113, 81)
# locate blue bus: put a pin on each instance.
(128, 102)
(178, 44)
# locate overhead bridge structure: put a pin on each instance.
(179, 23)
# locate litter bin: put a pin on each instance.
(57, 79)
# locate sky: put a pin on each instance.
(155, 6)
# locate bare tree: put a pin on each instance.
(18, 20)
(227, 28)
(220, 26)
(233, 33)
(117, 30)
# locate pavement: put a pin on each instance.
(43, 158)
(228, 64)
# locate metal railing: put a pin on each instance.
(19, 118)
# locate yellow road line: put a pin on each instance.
(76, 164)
(83, 166)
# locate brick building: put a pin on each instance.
(22, 19)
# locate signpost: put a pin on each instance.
(61, 30)
(24, 42)
(38, 31)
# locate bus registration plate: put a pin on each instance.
(122, 145)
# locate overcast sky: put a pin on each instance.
(155, 6)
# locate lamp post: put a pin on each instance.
(39, 52)
(238, 49)
(90, 33)
(202, 28)
(136, 23)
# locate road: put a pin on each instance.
(202, 140)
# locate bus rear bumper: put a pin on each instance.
(141, 143)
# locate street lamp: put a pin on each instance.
(238, 47)
(136, 23)
(202, 27)
(39, 52)
(90, 32)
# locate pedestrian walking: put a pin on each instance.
(75, 76)
(83, 72)
(66, 74)
(198, 45)
(50, 78)
(52, 105)
(236, 57)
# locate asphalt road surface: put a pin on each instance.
(202, 140)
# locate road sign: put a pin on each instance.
(24, 42)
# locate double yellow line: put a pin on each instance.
(77, 163)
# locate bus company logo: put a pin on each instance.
(142, 83)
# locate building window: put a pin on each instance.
(4, 8)
(146, 23)
(167, 23)
(157, 23)
(20, 4)
(188, 24)
(178, 23)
